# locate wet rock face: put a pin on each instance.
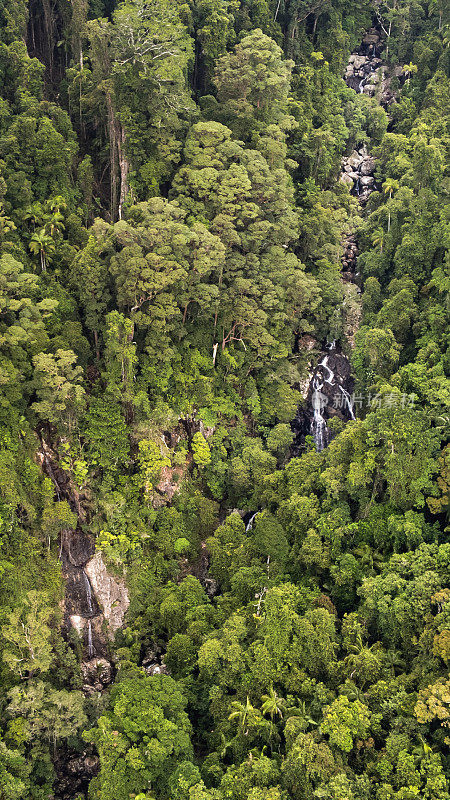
(74, 772)
(362, 72)
(76, 547)
(357, 173)
(329, 395)
(78, 602)
(97, 674)
(349, 258)
(153, 661)
(92, 595)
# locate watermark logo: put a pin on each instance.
(374, 401)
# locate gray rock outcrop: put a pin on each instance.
(110, 594)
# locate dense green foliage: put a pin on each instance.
(171, 226)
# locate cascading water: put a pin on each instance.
(90, 646)
(331, 384)
(249, 525)
(324, 363)
(319, 425)
(88, 593)
(329, 395)
(348, 402)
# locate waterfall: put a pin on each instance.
(348, 401)
(249, 525)
(328, 393)
(318, 402)
(88, 593)
(324, 363)
(91, 650)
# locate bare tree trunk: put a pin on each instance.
(97, 350)
(112, 134)
(119, 164)
(48, 22)
(124, 169)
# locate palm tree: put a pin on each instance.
(57, 203)
(408, 70)
(42, 245)
(224, 746)
(241, 714)
(359, 660)
(378, 238)
(34, 214)
(302, 713)
(273, 704)
(421, 750)
(389, 187)
(393, 660)
(55, 223)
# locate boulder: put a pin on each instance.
(355, 159)
(85, 765)
(367, 180)
(345, 178)
(368, 166)
(152, 654)
(211, 587)
(359, 61)
(97, 672)
(306, 343)
(371, 38)
(157, 668)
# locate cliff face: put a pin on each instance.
(110, 594)
(95, 602)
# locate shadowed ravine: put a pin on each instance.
(331, 384)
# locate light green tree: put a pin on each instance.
(344, 721)
(27, 636)
(57, 380)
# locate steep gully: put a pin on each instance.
(329, 391)
(94, 606)
(95, 602)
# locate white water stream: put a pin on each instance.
(88, 593)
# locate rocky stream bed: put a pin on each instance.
(328, 392)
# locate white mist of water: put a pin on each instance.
(348, 401)
(88, 593)
(330, 378)
(249, 525)
(319, 426)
